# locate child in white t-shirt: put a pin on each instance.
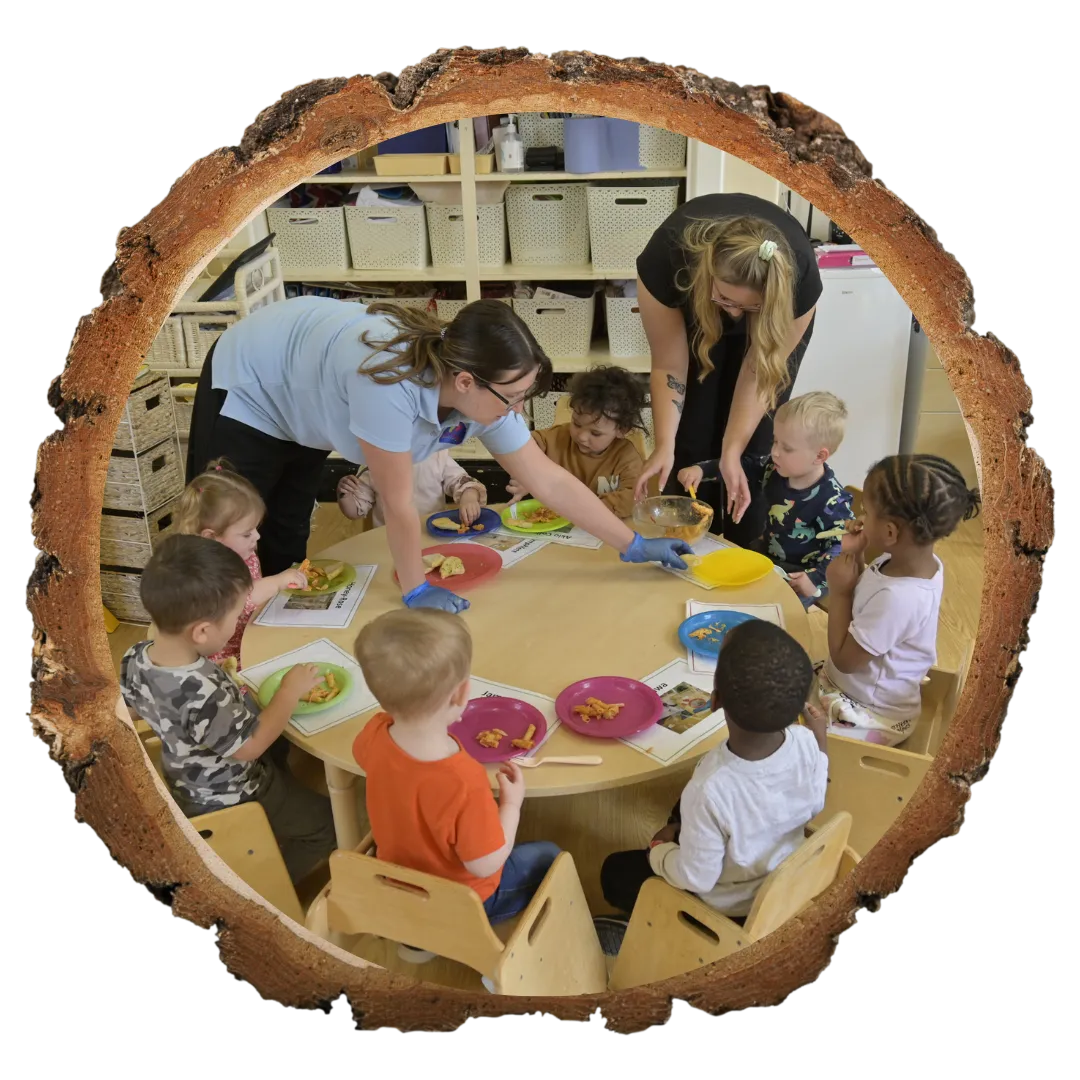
(883, 618)
(746, 806)
(434, 480)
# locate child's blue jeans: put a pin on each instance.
(522, 874)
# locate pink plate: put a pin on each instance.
(509, 714)
(642, 706)
(481, 565)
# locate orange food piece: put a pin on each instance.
(526, 740)
(595, 709)
(491, 738)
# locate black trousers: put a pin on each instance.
(700, 436)
(624, 872)
(284, 473)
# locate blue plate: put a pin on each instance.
(488, 518)
(710, 646)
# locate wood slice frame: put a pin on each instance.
(75, 692)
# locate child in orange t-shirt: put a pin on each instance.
(429, 802)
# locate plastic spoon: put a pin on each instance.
(532, 763)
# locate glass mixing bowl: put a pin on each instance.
(677, 517)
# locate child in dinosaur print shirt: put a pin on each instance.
(807, 504)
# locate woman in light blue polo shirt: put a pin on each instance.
(384, 386)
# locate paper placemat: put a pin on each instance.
(706, 665)
(705, 546)
(571, 536)
(333, 611)
(322, 651)
(512, 547)
(546, 705)
(688, 715)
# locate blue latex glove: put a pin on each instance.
(665, 552)
(431, 596)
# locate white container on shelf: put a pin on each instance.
(537, 130)
(548, 223)
(626, 332)
(445, 228)
(310, 239)
(167, 350)
(387, 237)
(622, 221)
(563, 328)
(660, 149)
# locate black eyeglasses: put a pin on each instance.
(505, 400)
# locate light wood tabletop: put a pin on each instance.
(560, 615)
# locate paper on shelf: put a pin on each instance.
(688, 715)
(322, 651)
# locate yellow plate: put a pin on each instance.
(731, 567)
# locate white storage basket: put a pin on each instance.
(310, 239)
(148, 416)
(144, 481)
(626, 332)
(448, 236)
(128, 538)
(120, 594)
(544, 407)
(563, 328)
(622, 221)
(167, 351)
(660, 149)
(183, 407)
(387, 237)
(549, 224)
(536, 130)
(200, 332)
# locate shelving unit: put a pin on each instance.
(471, 273)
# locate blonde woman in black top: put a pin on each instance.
(727, 288)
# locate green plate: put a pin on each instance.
(346, 577)
(306, 708)
(514, 524)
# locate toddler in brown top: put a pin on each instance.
(605, 406)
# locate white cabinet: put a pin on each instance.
(859, 351)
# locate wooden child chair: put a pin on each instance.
(672, 932)
(874, 783)
(242, 838)
(551, 949)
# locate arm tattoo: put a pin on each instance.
(678, 403)
(674, 384)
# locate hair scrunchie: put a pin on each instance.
(442, 332)
(767, 250)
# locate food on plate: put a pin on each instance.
(433, 562)
(595, 709)
(491, 738)
(325, 691)
(541, 515)
(320, 578)
(448, 524)
(705, 631)
(478, 528)
(526, 740)
(451, 566)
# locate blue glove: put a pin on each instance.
(431, 596)
(665, 552)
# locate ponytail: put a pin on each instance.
(486, 340)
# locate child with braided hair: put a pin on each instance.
(883, 617)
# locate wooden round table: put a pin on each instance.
(560, 615)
